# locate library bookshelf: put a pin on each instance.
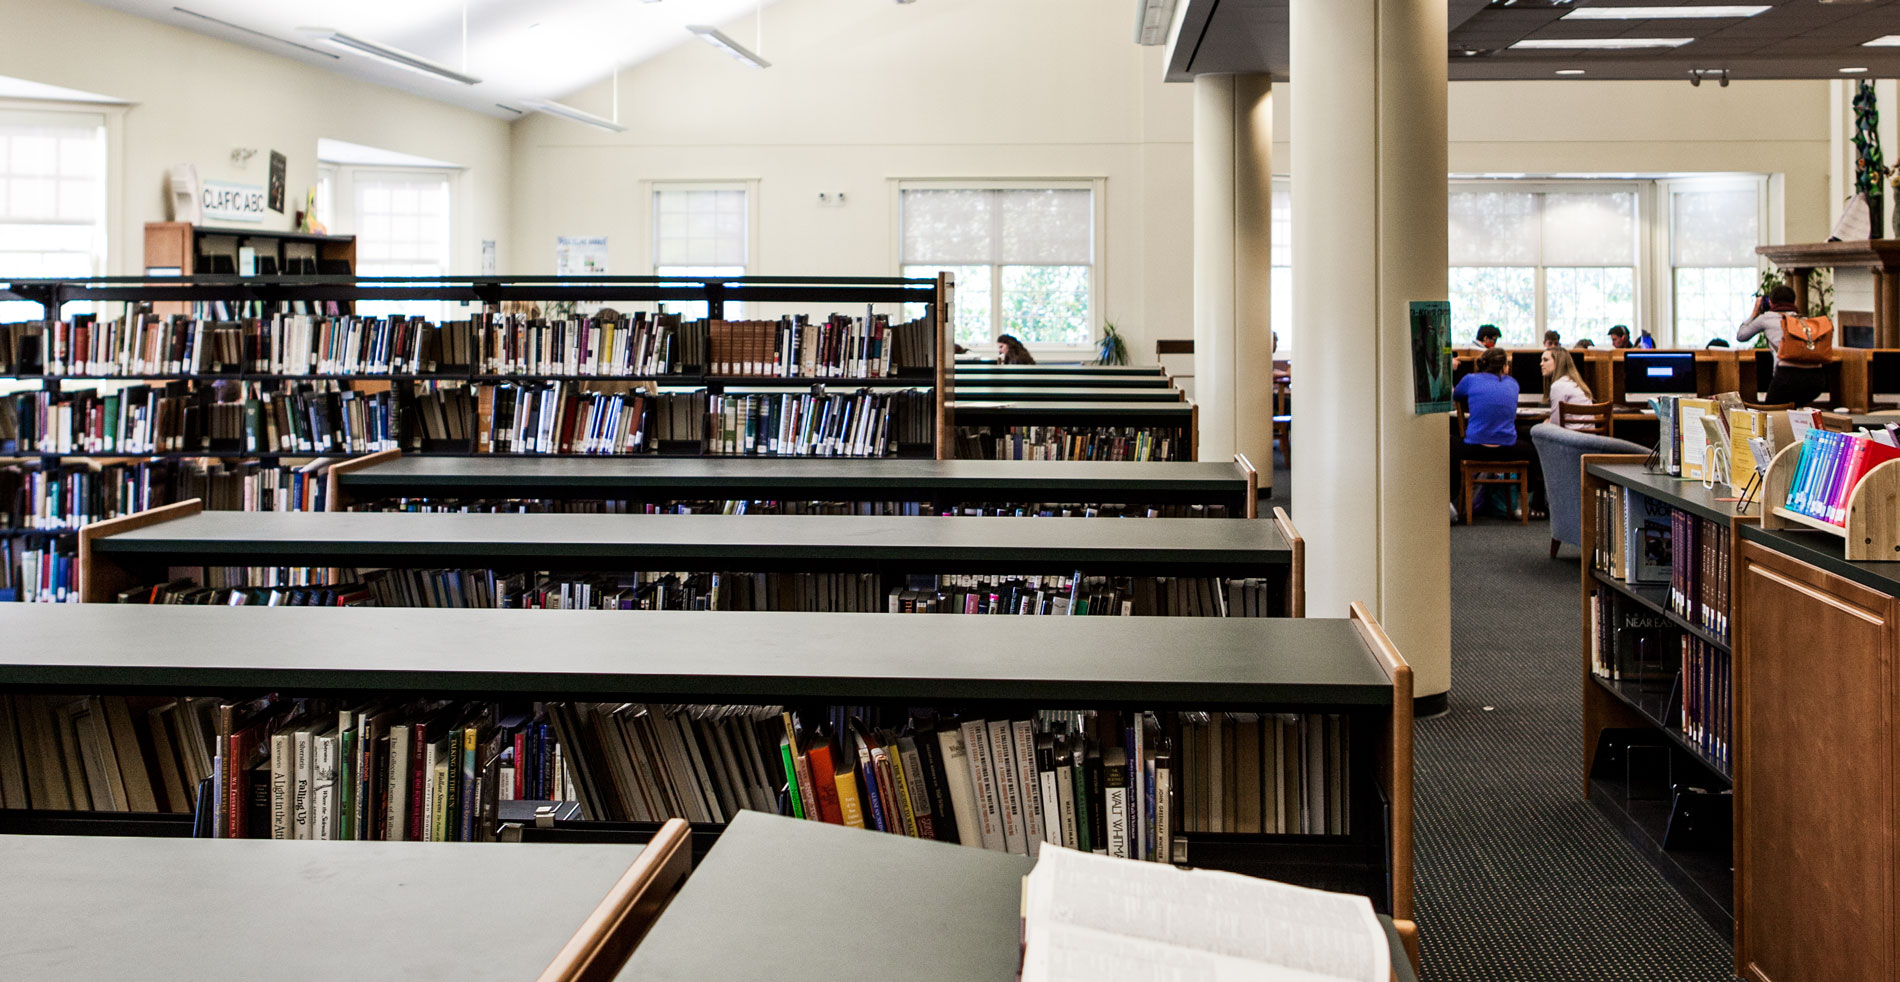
(144, 548)
(942, 485)
(1656, 676)
(981, 427)
(1343, 667)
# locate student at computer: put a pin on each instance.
(1553, 340)
(1791, 383)
(1489, 395)
(1619, 336)
(1563, 383)
(1488, 335)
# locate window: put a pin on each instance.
(52, 199)
(326, 196)
(1531, 261)
(1713, 232)
(402, 229)
(702, 231)
(1023, 258)
(1280, 286)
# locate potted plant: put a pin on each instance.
(1111, 349)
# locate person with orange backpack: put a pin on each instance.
(1803, 346)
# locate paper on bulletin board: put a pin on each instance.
(580, 255)
(1431, 356)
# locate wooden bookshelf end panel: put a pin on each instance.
(1814, 777)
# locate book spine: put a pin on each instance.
(282, 760)
(989, 805)
(1023, 746)
(850, 804)
(962, 791)
(1009, 788)
(1115, 800)
(303, 765)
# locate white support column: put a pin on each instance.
(1369, 168)
(1233, 235)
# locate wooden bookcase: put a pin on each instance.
(1344, 666)
(124, 552)
(1818, 737)
(1662, 789)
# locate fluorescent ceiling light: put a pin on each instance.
(553, 108)
(1663, 13)
(1570, 71)
(718, 39)
(1574, 44)
(1852, 71)
(257, 34)
(1152, 20)
(393, 56)
(1890, 41)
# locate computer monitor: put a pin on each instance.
(1527, 368)
(1883, 373)
(1658, 373)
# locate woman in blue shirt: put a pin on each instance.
(1490, 399)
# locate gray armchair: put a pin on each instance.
(1561, 452)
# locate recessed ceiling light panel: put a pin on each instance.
(1664, 13)
(1595, 44)
(1853, 71)
(1570, 71)
(1889, 41)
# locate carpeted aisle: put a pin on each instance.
(1518, 878)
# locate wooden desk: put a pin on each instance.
(135, 908)
(774, 899)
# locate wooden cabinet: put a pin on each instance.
(1815, 784)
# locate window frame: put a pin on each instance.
(1640, 245)
(650, 243)
(1666, 190)
(343, 188)
(1098, 293)
(107, 254)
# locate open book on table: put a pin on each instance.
(1090, 918)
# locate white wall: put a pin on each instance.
(195, 98)
(862, 94)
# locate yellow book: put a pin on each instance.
(905, 813)
(1695, 440)
(848, 802)
(1743, 426)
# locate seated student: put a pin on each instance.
(1011, 351)
(1487, 338)
(1553, 340)
(1584, 344)
(1563, 383)
(1619, 336)
(1645, 340)
(1489, 395)
(1717, 343)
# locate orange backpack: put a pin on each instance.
(1805, 340)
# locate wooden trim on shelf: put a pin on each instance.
(1872, 528)
(333, 491)
(601, 946)
(1253, 484)
(1296, 573)
(1397, 769)
(99, 580)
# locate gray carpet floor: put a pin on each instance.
(1519, 878)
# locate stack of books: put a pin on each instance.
(1831, 466)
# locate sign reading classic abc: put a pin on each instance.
(225, 201)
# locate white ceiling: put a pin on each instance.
(520, 49)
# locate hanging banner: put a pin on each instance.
(226, 201)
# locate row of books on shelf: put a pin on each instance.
(1720, 438)
(534, 418)
(961, 593)
(1146, 443)
(891, 509)
(68, 497)
(1676, 678)
(1832, 465)
(1643, 540)
(1113, 782)
(38, 571)
(145, 344)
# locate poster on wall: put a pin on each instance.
(580, 255)
(228, 201)
(1431, 357)
(488, 257)
(278, 165)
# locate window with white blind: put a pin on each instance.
(702, 230)
(1531, 261)
(1023, 258)
(52, 199)
(402, 229)
(1713, 231)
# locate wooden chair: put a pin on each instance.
(1473, 474)
(1283, 418)
(1597, 417)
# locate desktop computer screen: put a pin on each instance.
(1658, 373)
(1883, 373)
(1527, 369)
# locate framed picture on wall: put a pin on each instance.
(278, 165)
